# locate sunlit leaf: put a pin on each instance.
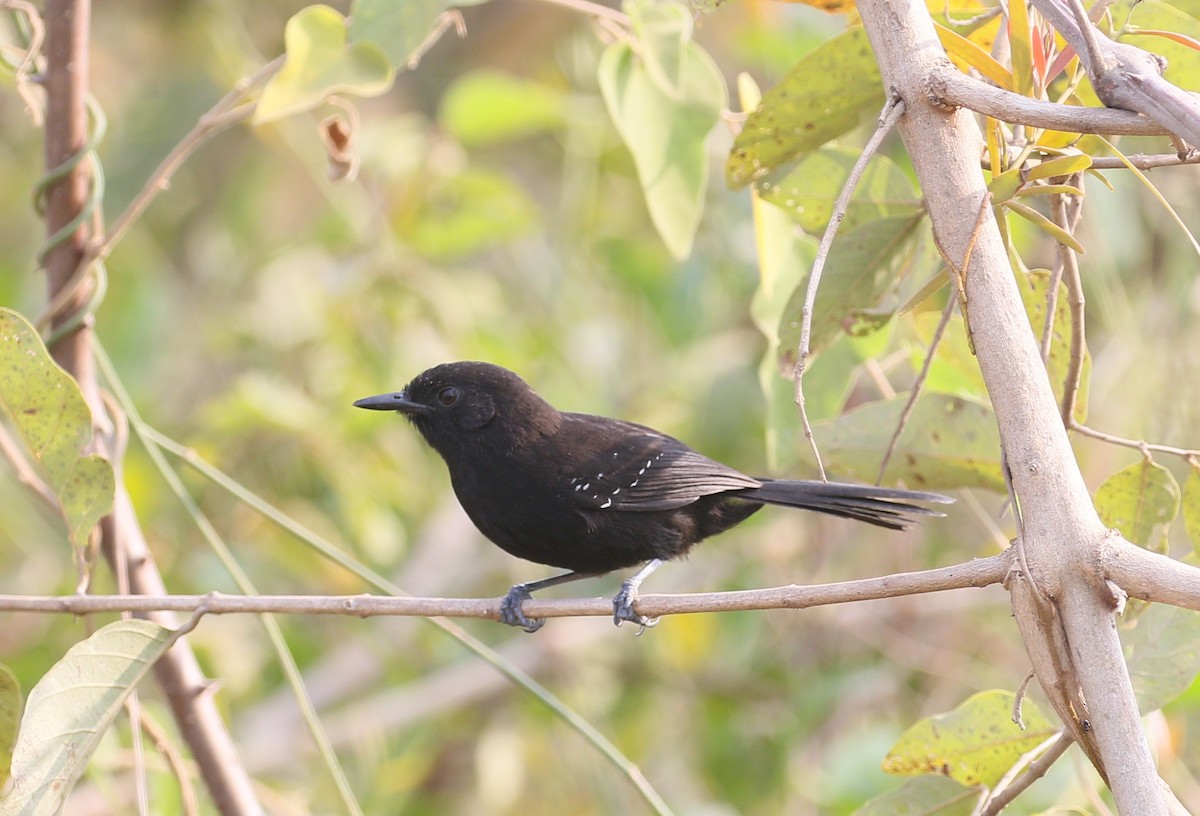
(1191, 506)
(808, 189)
(948, 442)
(1140, 501)
(975, 744)
(69, 709)
(319, 63)
(1020, 34)
(857, 273)
(10, 716)
(926, 796)
(1162, 648)
(959, 46)
(487, 106)
(46, 408)
(1058, 166)
(825, 94)
(665, 130)
(1035, 287)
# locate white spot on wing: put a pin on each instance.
(608, 503)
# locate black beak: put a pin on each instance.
(398, 401)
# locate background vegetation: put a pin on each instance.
(497, 215)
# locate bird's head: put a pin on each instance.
(451, 404)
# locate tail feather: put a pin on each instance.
(881, 506)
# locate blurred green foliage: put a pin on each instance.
(497, 215)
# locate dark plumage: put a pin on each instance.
(590, 494)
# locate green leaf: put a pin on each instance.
(1162, 648)
(10, 715)
(1059, 166)
(925, 795)
(858, 272)
(1191, 506)
(665, 130)
(70, 708)
(485, 107)
(975, 744)
(824, 95)
(1141, 501)
(46, 408)
(947, 442)
(808, 189)
(320, 63)
(1034, 289)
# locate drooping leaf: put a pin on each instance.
(970, 53)
(809, 189)
(975, 744)
(320, 62)
(925, 795)
(69, 709)
(948, 442)
(1162, 648)
(10, 717)
(1034, 290)
(858, 272)
(485, 107)
(827, 93)
(1141, 501)
(663, 106)
(46, 408)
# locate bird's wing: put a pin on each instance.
(622, 466)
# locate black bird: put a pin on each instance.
(591, 494)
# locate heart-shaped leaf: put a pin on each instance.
(319, 63)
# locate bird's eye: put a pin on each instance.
(448, 396)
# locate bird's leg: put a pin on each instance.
(623, 602)
(510, 606)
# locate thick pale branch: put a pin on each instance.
(978, 573)
(1150, 576)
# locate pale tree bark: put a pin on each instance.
(1062, 598)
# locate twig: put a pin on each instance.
(893, 109)
(1067, 212)
(1138, 444)
(25, 473)
(918, 384)
(446, 20)
(1035, 771)
(187, 793)
(220, 116)
(594, 10)
(979, 572)
(1019, 699)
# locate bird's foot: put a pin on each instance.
(512, 614)
(623, 608)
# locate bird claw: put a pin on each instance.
(512, 614)
(623, 609)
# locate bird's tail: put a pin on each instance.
(881, 506)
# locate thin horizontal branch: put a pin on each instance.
(949, 86)
(977, 573)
